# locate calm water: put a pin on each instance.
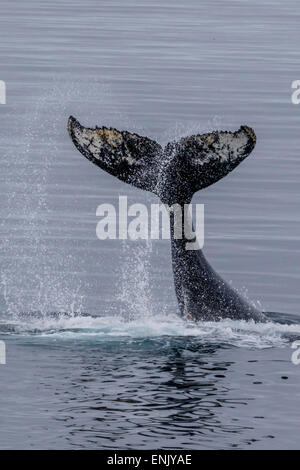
(96, 357)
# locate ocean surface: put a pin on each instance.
(96, 355)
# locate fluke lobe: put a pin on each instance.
(174, 174)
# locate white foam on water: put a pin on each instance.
(226, 332)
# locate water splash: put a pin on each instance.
(33, 276)
(184, 129)
(135, 286)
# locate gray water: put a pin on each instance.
(96, 355)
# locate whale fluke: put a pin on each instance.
(174, 174)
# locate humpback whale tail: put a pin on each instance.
(174, 173)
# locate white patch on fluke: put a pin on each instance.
(229, 146)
